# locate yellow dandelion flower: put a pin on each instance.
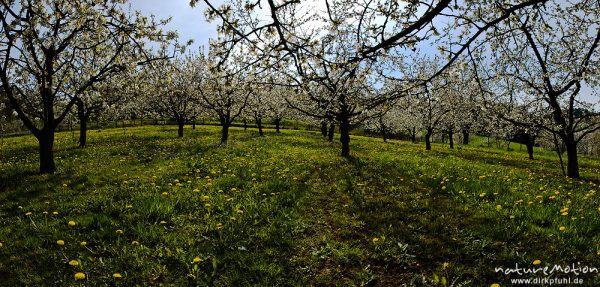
(482, 194)
(197, 260)
(72, 223)
(83, 243)
(28, 213)
(60, 242)
(498, 207)
(495, 285)
(375, 239)
(445, 265)
(117, 276)
(219, 226)
(79, 276)
(163, 222)
(562, 228)
(537, 262)
(55, 212)
(119, 231)
(74, 263)
(135, 243)
(165, 193)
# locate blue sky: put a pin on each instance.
(187, 21)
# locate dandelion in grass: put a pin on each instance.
(28, 213)
(135, 243)
(119, 231)
(537, 262)
(445, 265)
(117, 276)
(375, 240)
(74, 263)
(562, 228)
(83, 243)
(79, 276)
(197, 260)
(72, 223)
(60, 242)
(495, 285)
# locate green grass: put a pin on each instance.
(286, 210)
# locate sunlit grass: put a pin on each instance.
(140, 206)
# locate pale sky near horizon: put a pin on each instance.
(187, 21)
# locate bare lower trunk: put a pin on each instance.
(46, 141)
(572, 160)
(331, 132)
(82, 132)
(277, 124)
(345, 137)
(428, 139)
(529, 146)
(83, 117)
(259, 125)
(451, 137)
(180, 124)
(414, 135)
(324, 128)
(465, 134)
(224, 134)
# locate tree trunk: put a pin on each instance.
(465, 134)
(277, 123)
(345, 136)
(83, 131)
(224, 130)
(245, 125)
(46, 141)
(529, 145)
(259, 125)
(451, 137)
(81, 115)
(572, 161)
(414, 135)
(331, 132)
(428, 139)
(324, 128)
(194, 124)
(384, 135)
(180, 124)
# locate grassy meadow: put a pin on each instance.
(140, 206)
